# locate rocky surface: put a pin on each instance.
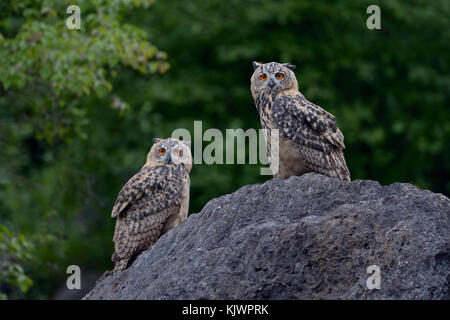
(308, 237)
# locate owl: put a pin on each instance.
(309, 137)
(153, 201)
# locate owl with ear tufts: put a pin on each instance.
(153, 201)
(309, 137)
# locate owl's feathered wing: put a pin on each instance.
(142, 207)
(320, 142)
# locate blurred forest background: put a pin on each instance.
(79, 108)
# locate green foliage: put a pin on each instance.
(14, 250)
(46, 74)
(43, 55)
(79, 108)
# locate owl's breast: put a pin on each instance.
(264, 105)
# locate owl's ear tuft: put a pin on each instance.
(256, 65)
(289, 66)
(156, 140)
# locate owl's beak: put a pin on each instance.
(169, 159)
(271, 83)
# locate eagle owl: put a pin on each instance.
(153, 201)
(309, 138)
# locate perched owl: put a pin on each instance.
(153, 201)
(309, 137)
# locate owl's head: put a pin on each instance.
(272, 77)
(170, 151)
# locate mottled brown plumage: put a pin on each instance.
(309, 137)
(153, 201)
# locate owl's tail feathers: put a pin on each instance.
(341, 170)
(120, 263)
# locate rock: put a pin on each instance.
(308, 237)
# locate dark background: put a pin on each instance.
(79, 108)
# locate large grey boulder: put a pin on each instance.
(308, 237)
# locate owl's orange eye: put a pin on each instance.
(279, 76)
(162, 151)
(263, 77)
(179, 152)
